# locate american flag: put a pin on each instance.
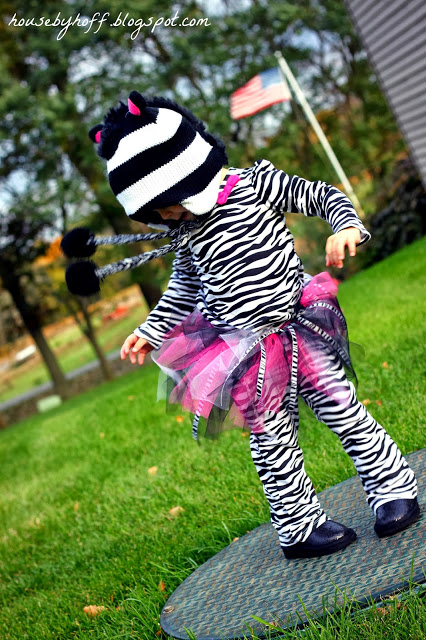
(265, 89)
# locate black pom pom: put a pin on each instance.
(81, 278)
(78, 243)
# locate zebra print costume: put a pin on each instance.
(239, 275)
(385, 475)
(240, 267)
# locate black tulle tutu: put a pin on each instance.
(234, 378)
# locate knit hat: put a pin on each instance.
(158, 155)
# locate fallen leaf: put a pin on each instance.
(366, 402)
(93, 610)
(161, 585)
(245, 434)
(175, 511)
(179, 418)
(76, 506)
(382, 611)
(379, 402)
(102, 435)
(130, 398)
(235, 539)
(385, 365)
(111, 598)
(152, 471)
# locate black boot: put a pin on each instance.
(328, 538)
(395, 516)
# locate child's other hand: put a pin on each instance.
(335, 246)
(136, 348)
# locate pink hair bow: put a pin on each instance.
(230, 183)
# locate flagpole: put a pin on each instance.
(286, 71)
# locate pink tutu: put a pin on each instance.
(233, 378)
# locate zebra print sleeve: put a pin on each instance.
(287, 193)
(175, 304)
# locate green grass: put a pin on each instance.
(82, 522)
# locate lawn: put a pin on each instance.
(107, 501)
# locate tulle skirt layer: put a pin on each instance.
(238, 377)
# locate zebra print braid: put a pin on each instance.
(83, 278)
(81, 243)
(126, 238)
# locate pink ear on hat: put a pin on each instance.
(134, 110)
(136, 103)
(95, 133)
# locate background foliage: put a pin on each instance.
(54, 86)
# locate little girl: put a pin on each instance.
(241, 331)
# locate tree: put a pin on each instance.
(75, 306)
(11, 327)
(21, 242)
(78, 308)
(53, 90)
(402, 220)
(41, 100)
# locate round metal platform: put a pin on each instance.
(252, 577)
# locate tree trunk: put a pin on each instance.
(32, 323)
(150, 292)
(51, 362)
(89, 332)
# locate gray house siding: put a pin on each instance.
(393, 33)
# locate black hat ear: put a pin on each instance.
(95, 133)
(136, 103)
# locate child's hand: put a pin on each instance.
(335, 247)
(134, 345)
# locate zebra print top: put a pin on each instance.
(240, 266)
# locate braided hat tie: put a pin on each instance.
(83, 278)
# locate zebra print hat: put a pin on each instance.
(159, 154)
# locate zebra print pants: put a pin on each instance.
(295, 509)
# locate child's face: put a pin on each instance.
(175, 212)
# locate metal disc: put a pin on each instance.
(251, 576)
